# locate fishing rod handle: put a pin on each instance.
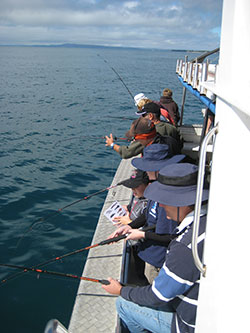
(114, 239)
(106, 282)
(117, 238)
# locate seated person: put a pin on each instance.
(152, 111)
(138, 182)
(152, 249)
(138, 98)
(141, 100)
(167, 102)
(144, 133)
(170, 303)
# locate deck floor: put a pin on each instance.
(94, 309)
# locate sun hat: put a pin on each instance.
(140, 126)
(155, 157)
(138, 97)
(150, 108)
(176, 186)
(137, 178)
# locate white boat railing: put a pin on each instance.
(197, 76)
(200, 182)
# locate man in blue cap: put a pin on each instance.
(170, 303)
(152, 249)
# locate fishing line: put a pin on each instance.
(89, 137)
(71, 276)
(122, 117)
(61, 209)
(105, 242)
(118, 75)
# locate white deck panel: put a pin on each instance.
(94, 309)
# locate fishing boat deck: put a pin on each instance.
(94, 309)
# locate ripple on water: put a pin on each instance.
(43, 227)
(47, 169)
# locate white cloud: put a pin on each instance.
(160, 23)
(130, 4)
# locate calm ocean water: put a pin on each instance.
(56, 104)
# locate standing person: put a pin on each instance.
(170, 303)
(167, 102)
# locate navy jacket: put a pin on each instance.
(149, 250)
(177, 284)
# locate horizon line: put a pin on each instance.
(75, 45)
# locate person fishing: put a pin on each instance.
(141, 100)
(138, 98)
(138, 182)
(169, 304)
(151, 250)
(152, 111)
(143, 132)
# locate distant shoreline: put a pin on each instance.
(68, 45)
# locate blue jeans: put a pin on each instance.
(140, 319)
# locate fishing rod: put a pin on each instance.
(106, 241)
(72, 276)
(61, 209)
(117, 76)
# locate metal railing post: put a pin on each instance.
(202, 163)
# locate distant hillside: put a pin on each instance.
(69, 45)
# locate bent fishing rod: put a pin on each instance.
(57, 212)
(105, 242)
(67, 275)
(118, 75)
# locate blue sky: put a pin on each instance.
(180, 24)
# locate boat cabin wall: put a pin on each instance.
(224, 292)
